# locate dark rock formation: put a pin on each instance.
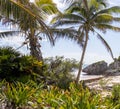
(114, 65)
(96, 68)
(112, 72)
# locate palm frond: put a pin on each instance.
(48, 6)
(105, 44)
(75, 6)
(105, 27)
(81, 34)
(73, 17)
(114, 9)
(66, 23)
(67, 33)
(104, 18)
(110, 11)
(35, 17)
(8, 33)
(97, 4)
(69, 17)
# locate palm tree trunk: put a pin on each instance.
(82, 58)
(34, 44)
(35, 50)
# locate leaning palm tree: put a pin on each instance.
(29, 18)
(86, 17)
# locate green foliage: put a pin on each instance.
(74, 98)
(118, 58)
(14, 66)
(59, 70)
(35, 96)
(113, 101)
(18, 94)
(116, 94)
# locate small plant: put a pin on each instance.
(113, 101)
(116, 94)
(104, 82)
(75, 98)
(18, 94)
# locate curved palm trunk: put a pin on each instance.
(82, 58)
(35, 50)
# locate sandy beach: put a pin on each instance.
(103, 84)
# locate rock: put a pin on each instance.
(112, 72)
(96, 68)
(114, 65)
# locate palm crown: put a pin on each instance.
(30, 20)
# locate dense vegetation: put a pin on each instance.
(17, 67)
(27, 83)
(35, 96)
(31, 82)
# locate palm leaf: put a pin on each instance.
(103, 18)
(47, 6)
(114, 9)
(104, 27)
(111, 10)
(38, 18)
(105, 44)
(97, 4)
(69, 33)
(106, 18)
(75, 6)
(66, 23)
(66, 17)
(8, 33)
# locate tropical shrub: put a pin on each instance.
(14, 66)
(113, 100)
(60, 71)
(116, 94)
(31, 95)
(75, 98)
(18, 94)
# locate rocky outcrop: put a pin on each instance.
(96, 68)
(112, 72)
(113, 69)
(114, 65)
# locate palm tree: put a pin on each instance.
(89, 16)
(29, 18)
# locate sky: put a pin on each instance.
(69, 49)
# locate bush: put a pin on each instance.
(113, 101)
(59, 71)
(116, 94)
(35, 96)
(14, 66)
(17, 94)
(74, 98)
